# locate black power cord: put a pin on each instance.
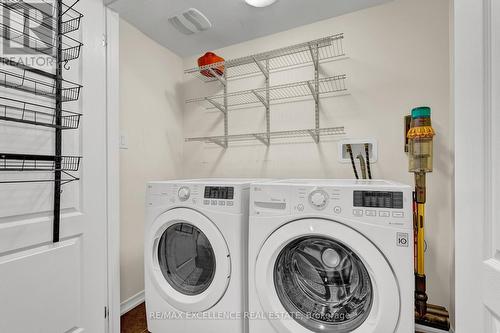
(349, 150)
(367, 153)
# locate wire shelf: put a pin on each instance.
(67, 178)
(328, 48)
(29, 82)
(334, 84)
(262, 137)
(22, 162)
(36, 114)
(46, 19)
(12, 29)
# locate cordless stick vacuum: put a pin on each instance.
(419, 146)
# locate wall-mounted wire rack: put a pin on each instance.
(314, 52)
(329, 85)
(46, 16)
(15, 16)
(38, 83)
(22, 162)
(71, 47)
(55, 20)
(328, 48)
(262, 137)
(37, 114)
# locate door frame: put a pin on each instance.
(112, 42)
(476, 95)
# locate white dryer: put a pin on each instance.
(331, 256)
(195, 255)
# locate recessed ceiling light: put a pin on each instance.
(260, 3)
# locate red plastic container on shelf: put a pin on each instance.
(208, 59)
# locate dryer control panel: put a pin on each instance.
(384, 206)
(226, 198)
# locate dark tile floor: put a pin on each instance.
(134, 321)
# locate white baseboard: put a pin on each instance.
(131, 303)
(425, 329)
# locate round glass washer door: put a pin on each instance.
(190, 260)
(186, 258)
(324, 283)
(322, 276)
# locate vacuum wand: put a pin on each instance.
(420, 283)
(420, 136)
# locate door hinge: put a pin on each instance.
(106, 312)
(104, 40)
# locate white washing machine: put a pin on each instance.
(195, 256)
(331, 256)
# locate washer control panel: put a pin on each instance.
(385, 207)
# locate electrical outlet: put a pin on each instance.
(358, 147)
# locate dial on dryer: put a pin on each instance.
(184, 193)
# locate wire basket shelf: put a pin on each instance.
(36, 114)
(65, 179)
(29, 82)
(328, 48)
(44, 14)
(328, 85)
(22, 162)
(262, 137)
(45, 42)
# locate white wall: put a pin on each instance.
(399, 59)
(151, 121)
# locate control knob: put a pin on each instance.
(184, 193)
(318, 199)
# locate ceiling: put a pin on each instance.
(233, 20)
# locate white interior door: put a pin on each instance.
(58, 288)
(477, 138)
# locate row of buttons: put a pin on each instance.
(373, 213)
(219, 203)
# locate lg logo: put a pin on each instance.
(402, 239)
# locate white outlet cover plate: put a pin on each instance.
(344, 158)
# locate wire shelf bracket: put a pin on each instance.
(219, 106)
(265, 140)
(261, 99)
(220, 78)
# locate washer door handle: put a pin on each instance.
(156, 262)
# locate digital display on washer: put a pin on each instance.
(219, 192)
(378, 199)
